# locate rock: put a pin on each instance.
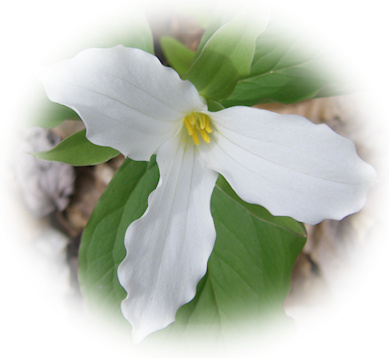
(45, 186)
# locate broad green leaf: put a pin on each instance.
(335, 89)
(249, 270)
(178, 55)
(214, 106)
(102, 244)
(289, 85)
(220, 15)
(286, 223)
(226, 56)
(287, 69)
(77, 150)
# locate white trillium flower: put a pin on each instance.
(131, 102)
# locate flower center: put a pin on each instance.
(198, 123)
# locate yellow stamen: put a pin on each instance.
(208, 127)
(192, 119)
(204, 135)
(195, 138)
(198, 123)
(202, 120)
(188, 126)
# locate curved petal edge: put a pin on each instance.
(127, 99)
(289, 165)
(169, 246)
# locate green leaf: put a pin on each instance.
(219, 16)
(249, 271)
(288, 85)
(102, 244)
(178, 55)
(285, 69)
(77, 150)
(286, 223)
(214, 106)
(226, 56)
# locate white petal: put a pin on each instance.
(169, 246)
(287, 164)
(128, 100)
